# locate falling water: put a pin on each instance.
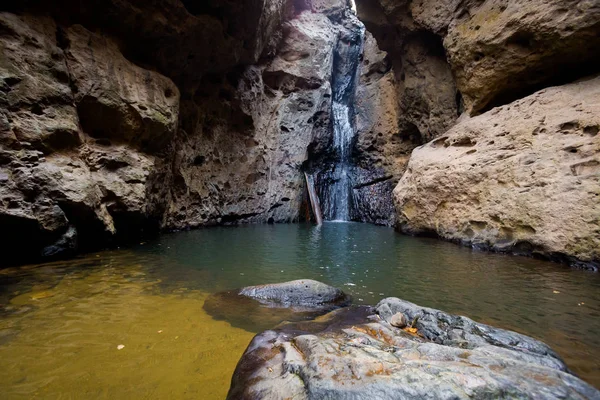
(346, 63)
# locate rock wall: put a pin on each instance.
(498, 50)
(494, 182)
(239, 159)
(124, 118)
(81, 131)
(523, 178)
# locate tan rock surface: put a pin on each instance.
(68, 181)
(524, 177)
(240, 161)
(499, 50)
(507, 49)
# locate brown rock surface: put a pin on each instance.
(522, 178)
(68, 180)
(499, 50)
(507, 49)
(97, 145)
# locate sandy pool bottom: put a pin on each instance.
(111, 334)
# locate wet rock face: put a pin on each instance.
(356, 353)
(505, 180)
(381, 153)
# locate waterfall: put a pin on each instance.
(338, 197)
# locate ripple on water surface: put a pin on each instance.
(62, 324)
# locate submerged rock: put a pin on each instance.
(356, 353)
(255, 308)
(302, 292)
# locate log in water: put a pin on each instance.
(314, 199)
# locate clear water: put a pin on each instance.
(61, 323)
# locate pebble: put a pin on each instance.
(398, 320)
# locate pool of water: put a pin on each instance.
(131, 323)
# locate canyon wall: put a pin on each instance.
(515, 173)
(124, 118)
(119, 119)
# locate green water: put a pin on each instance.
(61, 324)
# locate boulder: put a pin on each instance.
(256, 308)
(356, 353)
(522, 178)
(302, 292)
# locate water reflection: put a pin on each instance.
(175, 273)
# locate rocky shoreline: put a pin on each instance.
(399, 350)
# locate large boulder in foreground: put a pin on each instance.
(521, 178)
(356, 353)
(264, 306)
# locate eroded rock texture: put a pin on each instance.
(81, 126)
(122, 118)
(240, 157)
(457, 56)
(426, 90)
(524, 178)
(356, 353)
(381, 151)
(498, 50)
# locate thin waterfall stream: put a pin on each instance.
(337, 198)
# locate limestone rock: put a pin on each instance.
(522, 178)
(265, 306)
(302, 292)
(426, 91)
(246, 152)
(382, 154)
(504, 50)
(182, 39)
(355, 353)
(117, 100)
(66, 188)
(400, 105)
(35, 97)
(398, 320)
(332, 8)
(499, 50)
